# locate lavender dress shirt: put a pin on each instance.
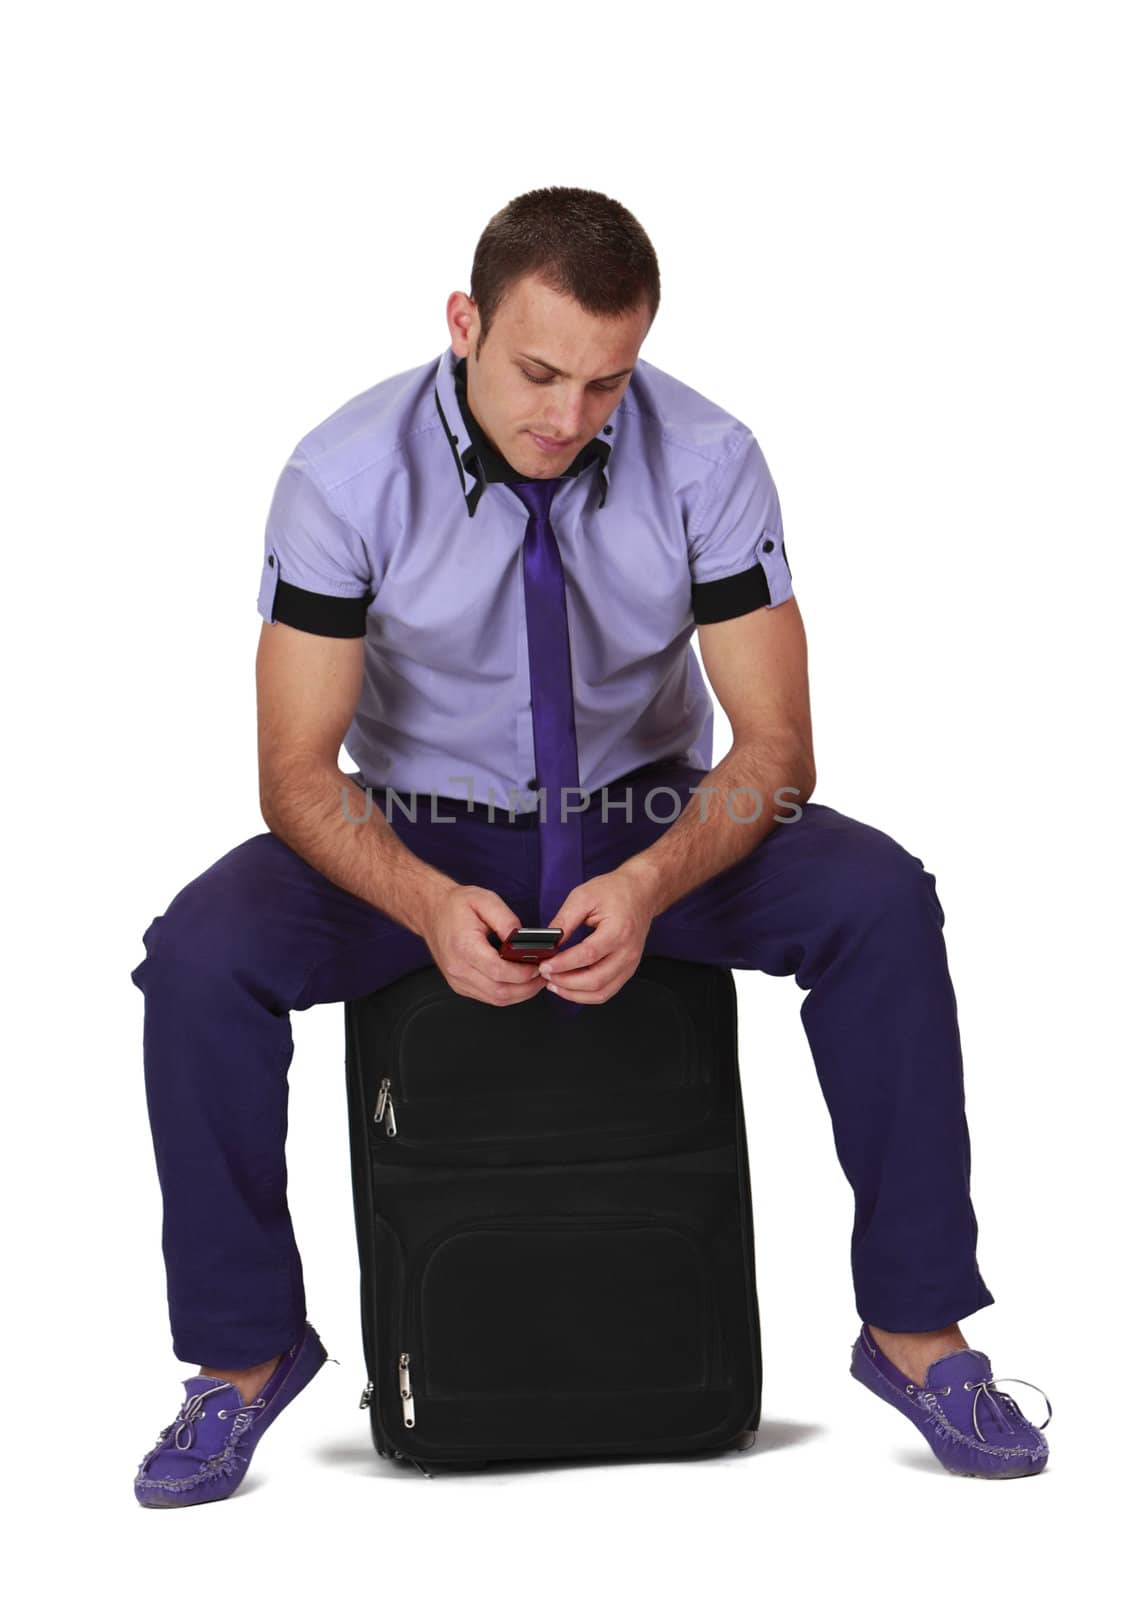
(390, 522)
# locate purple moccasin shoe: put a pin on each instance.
(205, 1452)
(974, 1429)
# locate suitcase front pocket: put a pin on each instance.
(554, 1334)
(556, 1320)
(501, 1090)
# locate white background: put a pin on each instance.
(894, 241)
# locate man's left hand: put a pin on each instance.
(616, 905)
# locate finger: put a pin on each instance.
(489, 965)
(517, 971)
(520, 995)
(572, 916)
(580, 985)
(582, 997)
(493, 938)
(499, 994)
(494, 915)
(594, 948)
(501, 970)
(491, 932)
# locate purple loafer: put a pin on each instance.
(205, 1452)
(974, 1429)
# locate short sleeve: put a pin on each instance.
(735, 542)
(316, 572)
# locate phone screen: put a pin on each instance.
(535, 938)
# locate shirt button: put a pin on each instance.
(533, 784)
(767, 546)
(272, 561)
(607, 427)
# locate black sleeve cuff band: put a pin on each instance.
(730, 597)
(336, 616)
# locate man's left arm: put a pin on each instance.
(757, 665)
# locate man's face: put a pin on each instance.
(512, 389)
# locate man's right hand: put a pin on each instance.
(456, 933)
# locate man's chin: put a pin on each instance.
(538, 465)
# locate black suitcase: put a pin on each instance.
(554, 1221)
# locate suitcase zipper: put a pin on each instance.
(384, 1108)
(404, 1389)
(365, 1398)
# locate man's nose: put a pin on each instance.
(568, 417)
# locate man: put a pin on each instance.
(482, 576)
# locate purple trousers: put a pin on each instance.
(838, 904)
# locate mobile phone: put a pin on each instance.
(530, 944)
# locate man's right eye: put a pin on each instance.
(602, 388)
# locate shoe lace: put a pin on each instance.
(193, 1410)
(986, 1386)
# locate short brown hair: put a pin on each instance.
(578, 241)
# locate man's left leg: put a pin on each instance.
(856, 919)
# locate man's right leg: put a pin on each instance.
(259, 934)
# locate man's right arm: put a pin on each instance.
(307, 689)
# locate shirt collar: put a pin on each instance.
(475, 458)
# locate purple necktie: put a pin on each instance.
(553, 712)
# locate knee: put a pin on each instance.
(141, 972)
(184, 944)
(873, 876)
(199, 938)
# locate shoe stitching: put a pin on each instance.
(927, 1399)
(223, 1464)
(946, 1429)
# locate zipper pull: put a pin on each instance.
(365, 1398)
(384, 1108)
(405, 1390)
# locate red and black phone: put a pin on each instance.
(528, 944)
